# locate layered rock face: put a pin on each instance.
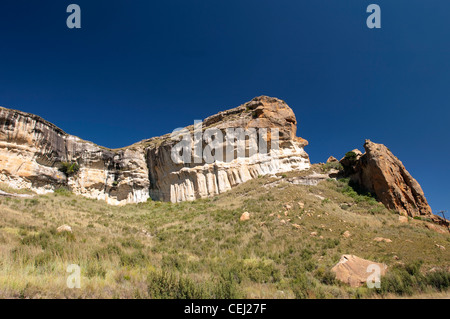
(32, 150)
(381, 173)
(180, 182)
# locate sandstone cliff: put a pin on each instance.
(32, 150)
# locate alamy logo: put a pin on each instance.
(74, 279)
(215, 145)
(74, 20)
(374, 20)
(374, 279)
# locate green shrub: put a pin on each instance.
(69, 169)
(63, 191)
(137, 258)
(325, 276)
(94, 269)
(42, 239)
(165, 285)
(32, 202)
(406, 280)
(351, 156)
(332, 165)
(439, 279)
(302, 286)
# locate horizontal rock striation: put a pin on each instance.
(32, 150)
(180, 182)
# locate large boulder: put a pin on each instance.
(354, 271)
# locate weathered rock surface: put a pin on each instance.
(381, 239)
(180, 182)
(378, 171)
(332, 159)
(354, 271)
(64, 228)
(245, 216)
(32, 149)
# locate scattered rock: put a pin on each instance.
(352, 270)
(5, 194)
(440, 247)
(313, 234)
(301, 205)
(297, 226)
(287, 206)
(64, 228)
(346, 234)
(403, 219)
(245, 216)
(380, 239)
(146, 233)
(436, 228)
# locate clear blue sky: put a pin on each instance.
(139, 69)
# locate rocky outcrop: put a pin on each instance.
(379, 172)
(180, 182)
(32, 150)
(332, 159)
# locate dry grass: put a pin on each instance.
(201, 249)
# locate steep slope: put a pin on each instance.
(287, 248)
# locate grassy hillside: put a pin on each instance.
(201, 249)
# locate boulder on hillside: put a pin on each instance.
(245, 216)
(64, 228)
(354, 271)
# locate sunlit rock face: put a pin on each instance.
(32, 149)
(181, 182)
(381, 173)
